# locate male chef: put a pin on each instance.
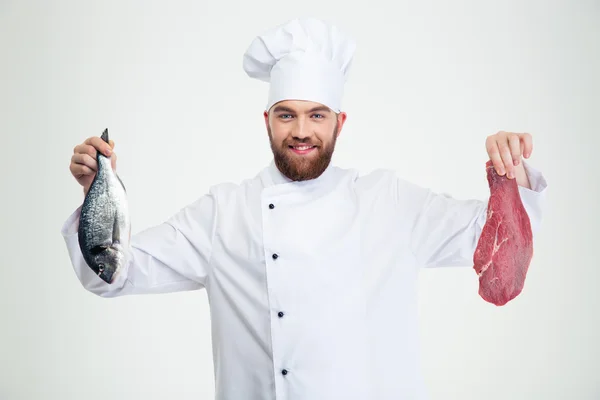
(311, 270)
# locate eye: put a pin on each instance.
(321, 115)
(285, 115)
(100, 267)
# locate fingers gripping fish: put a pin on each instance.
(104, 227)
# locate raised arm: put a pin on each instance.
(172, 256)
(445, 230)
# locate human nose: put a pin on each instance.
(301, 130)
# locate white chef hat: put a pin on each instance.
(303, 59)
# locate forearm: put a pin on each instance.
(168, 257)
(445, 230)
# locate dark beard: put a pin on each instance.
(302, 170)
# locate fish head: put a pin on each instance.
(107, 262)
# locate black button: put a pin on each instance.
(284, 372)
(275, 256)
(280, 314)
(271, 206)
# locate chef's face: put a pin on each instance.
(303, 136)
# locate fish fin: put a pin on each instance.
(104, 135)
(123, 185)
(116, 233)
(98, 249)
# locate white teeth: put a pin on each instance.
(303, 147)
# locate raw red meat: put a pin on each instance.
(505, 247)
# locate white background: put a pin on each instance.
(429, 82)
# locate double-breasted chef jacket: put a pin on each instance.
(312, 285)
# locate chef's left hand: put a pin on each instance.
(505, 149)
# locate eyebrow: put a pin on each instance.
(314, 109)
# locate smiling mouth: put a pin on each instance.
(302, 149)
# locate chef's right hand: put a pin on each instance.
(83, 162)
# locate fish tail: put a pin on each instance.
(116, 232)
(104, 135)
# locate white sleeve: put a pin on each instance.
(170, 257)
(445, 230)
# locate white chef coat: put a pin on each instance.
(312, 285)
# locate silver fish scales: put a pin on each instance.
(104, 224)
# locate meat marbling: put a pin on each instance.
(505, 247)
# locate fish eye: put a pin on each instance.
(101, 267)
